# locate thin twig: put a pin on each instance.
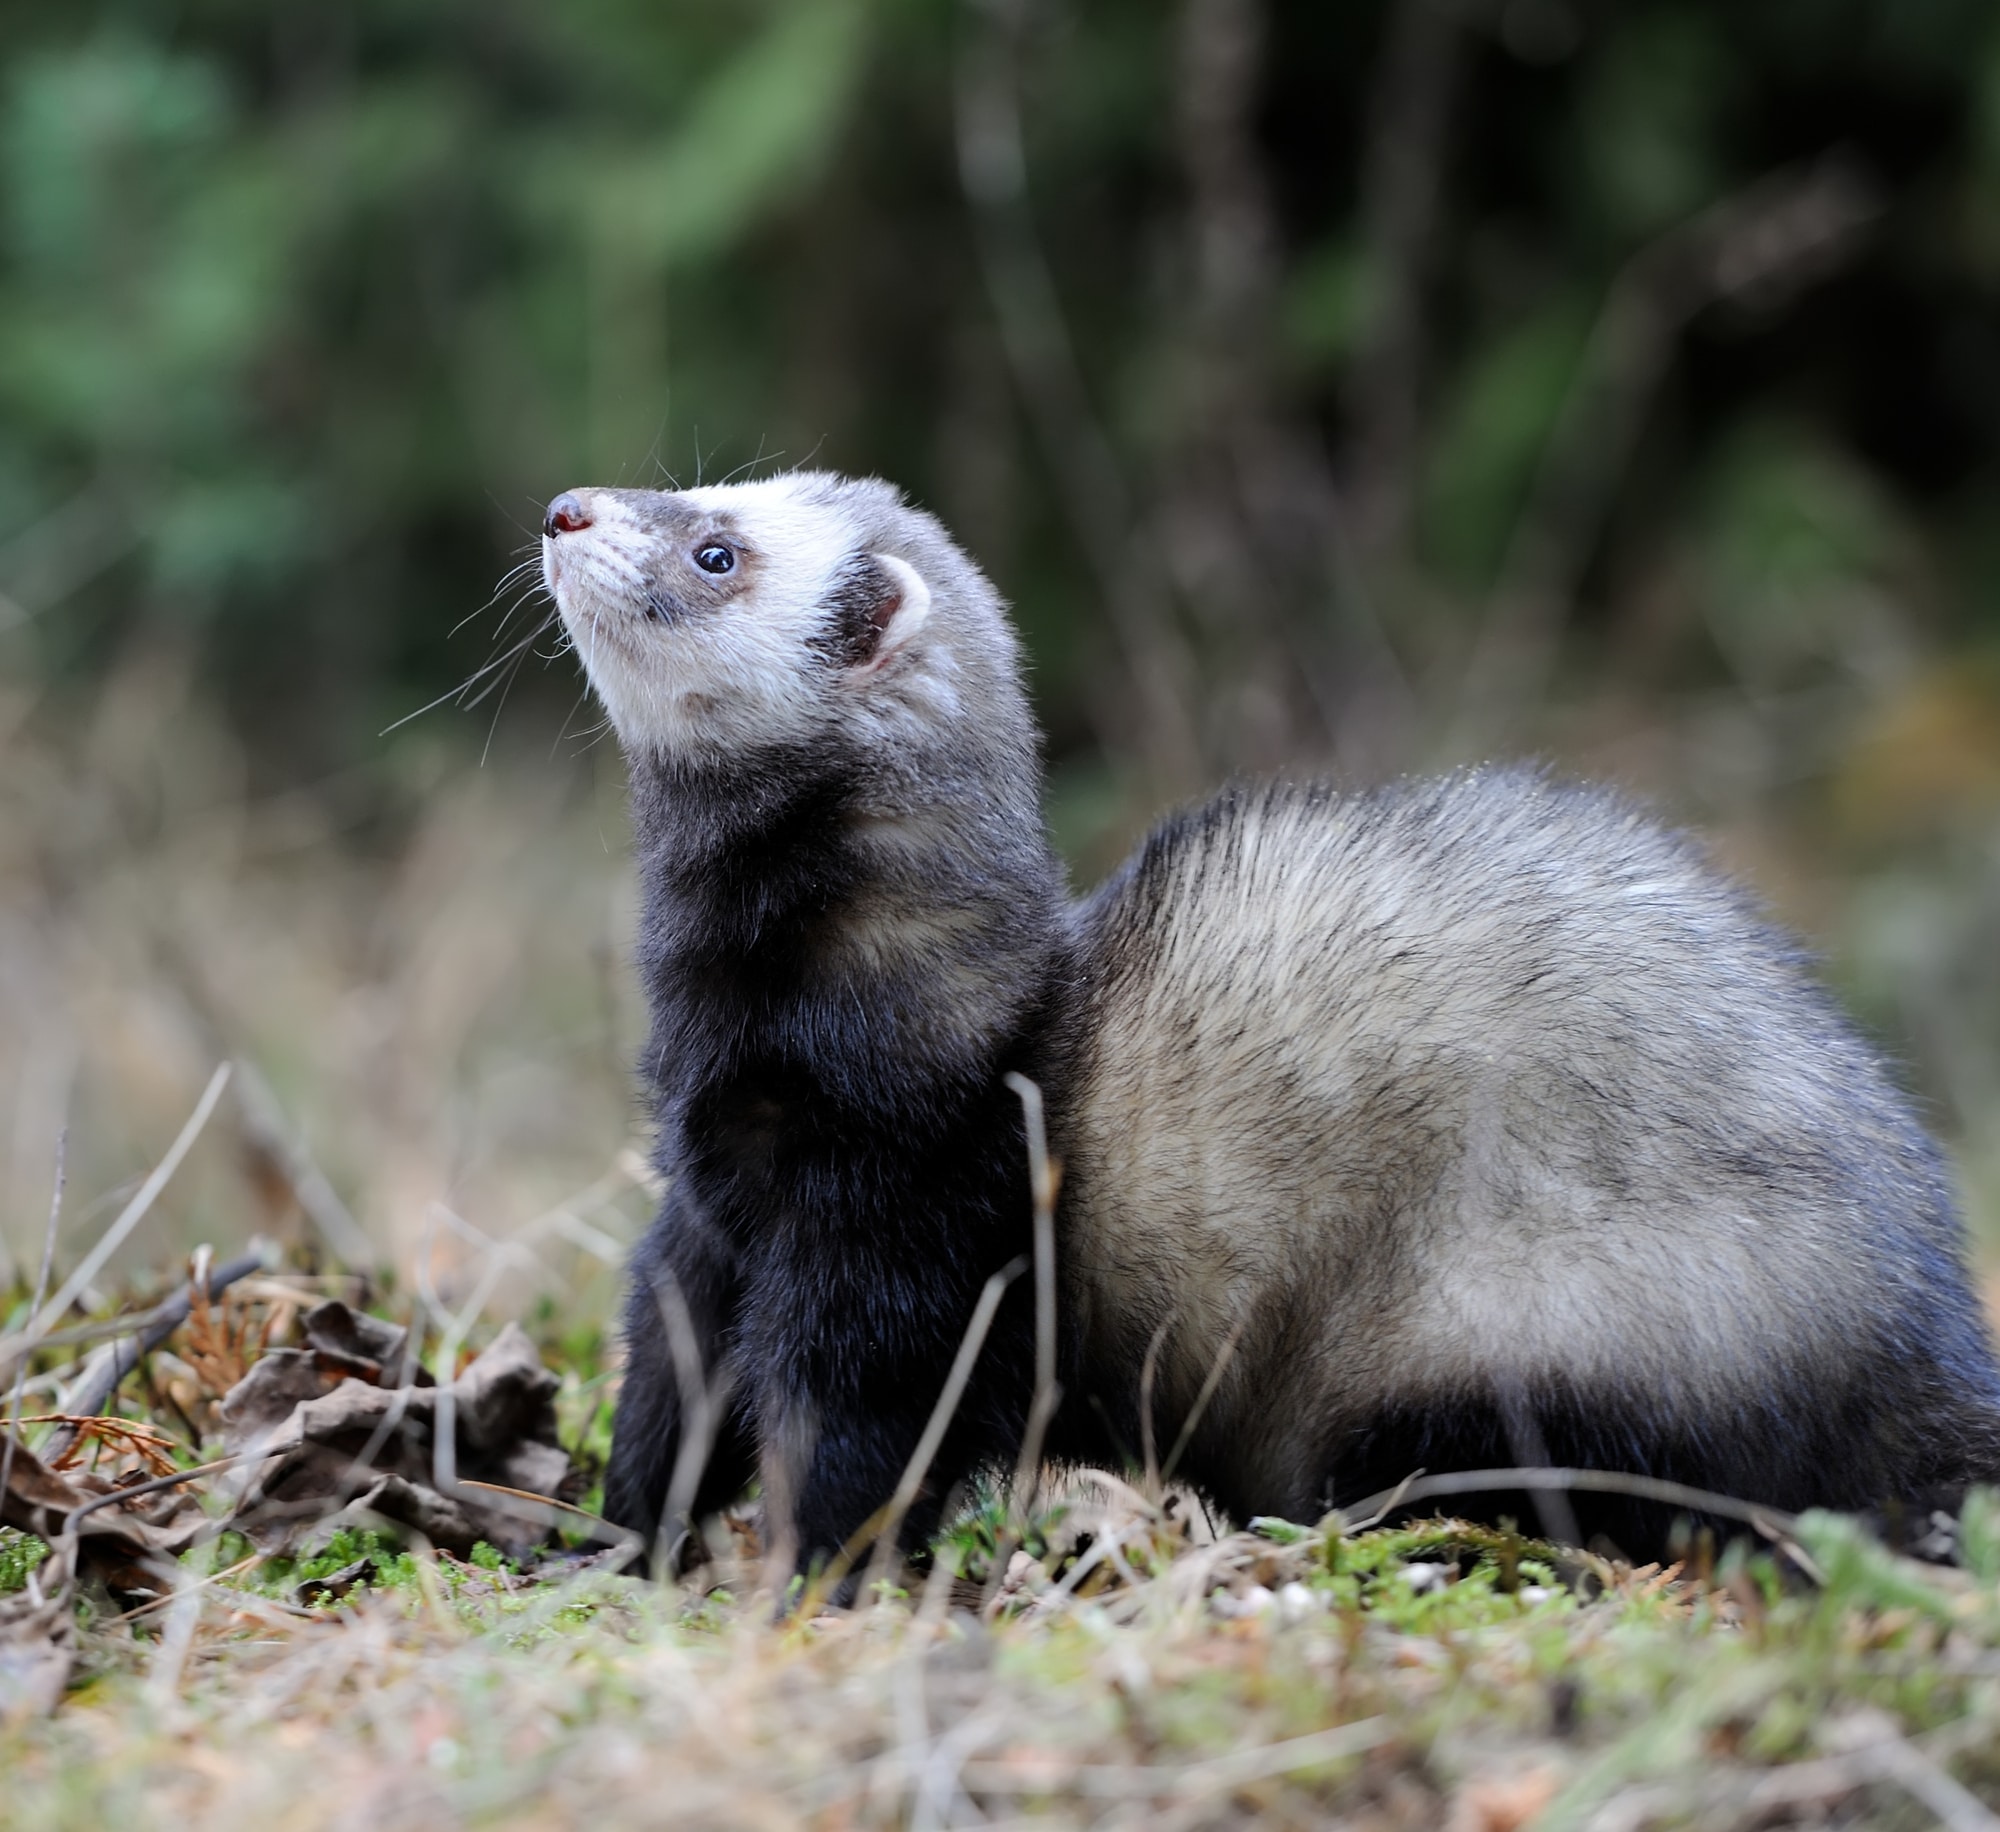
(129, 1218)
(1217, 1368)
(1382, 1505)
(919, 1465)
(1045, 1180)
(41, 1291)
(1529, 1450)
(702, 1412)
(500, 1256)
(1149, 1373)
(267, 1133)
(546, 1510)
(136, 1490)
(292, 1288)
(159, 1603)
(1255, 528)
(108, 1368)
(1821, 1782)
(1958, 1809)
(1768, 1520)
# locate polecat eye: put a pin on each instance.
(715, 558)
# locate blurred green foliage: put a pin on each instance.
(305, 309)
(1379, 384)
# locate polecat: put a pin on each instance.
(1458, 1124)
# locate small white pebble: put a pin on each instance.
(1421, 1578)
(1534, 1593)
(1296, 1602)
(1124, 1667)
(1253, 1602)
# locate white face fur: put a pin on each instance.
(720, 619)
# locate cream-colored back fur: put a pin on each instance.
(1438, 1093)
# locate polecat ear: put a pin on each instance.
(879, 604)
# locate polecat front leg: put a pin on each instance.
(682, 1439)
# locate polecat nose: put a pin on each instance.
(566, 515)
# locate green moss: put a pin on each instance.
(20, 1553)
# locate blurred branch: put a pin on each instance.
(992, 165)
(64, 548)
(1785, 232)
(1258, 534)
(1402, 167)
(1229, 578)
(1235, 232)
(275, 1149)
(274, 1157)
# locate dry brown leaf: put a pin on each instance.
(123, 1542)
(350, 1446)
(37, 1645)
(1503, 1803)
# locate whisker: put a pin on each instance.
(515, 653)
(499, 591)
(530, 528)
(591, 736)
(751, 463)
(507, 619)
(506, 686)
(659, 440)
(818, 446)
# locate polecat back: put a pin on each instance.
(1494, 1128)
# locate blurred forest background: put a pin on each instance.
(1361, 386)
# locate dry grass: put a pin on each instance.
(1421, 1678)
(425, 968)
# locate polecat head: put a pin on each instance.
(790, 612)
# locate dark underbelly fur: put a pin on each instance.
(849, 1335)
(1892, 1424)
(1785, 1466)
(1892, 1435)
(1907, 1440)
